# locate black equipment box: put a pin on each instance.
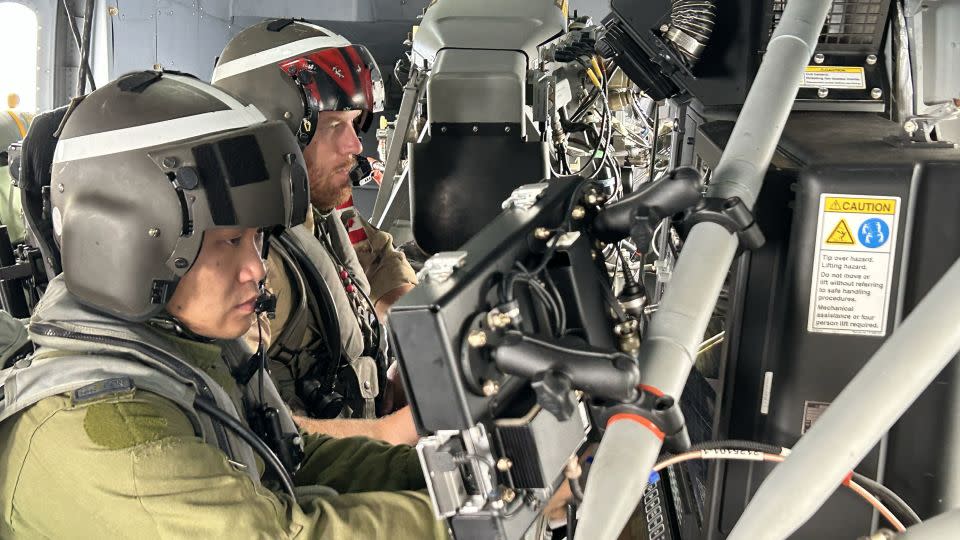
(449, 382)
(847, 73)
(439, 313)
(873, 228)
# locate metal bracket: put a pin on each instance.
(442, 265)
(524, 197)
(732, 215)
(917, 129)
(661, 411)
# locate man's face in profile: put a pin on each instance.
(330, 157)
(216, 297)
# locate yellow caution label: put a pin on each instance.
(838, 77)
(854, 258)
(841, 234)
(861, 205)
(833, 69)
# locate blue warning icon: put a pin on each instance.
(873, 233)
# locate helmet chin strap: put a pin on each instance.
(168, 322)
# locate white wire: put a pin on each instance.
(653, 239)
(605, 94)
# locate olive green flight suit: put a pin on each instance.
(13, 127)
(130, 465)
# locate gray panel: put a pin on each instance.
(493, 24)
(219, 9)
(597, 9)
(397, 10)
(138, 9)
(178, 34)
(188, 38)
(336, 10)
(477, 86)
(134, 42)
(940, 60)
(46, 38)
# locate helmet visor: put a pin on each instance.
(336, 79)
(250, 178)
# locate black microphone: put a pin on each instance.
(362, 172)
(266, 303)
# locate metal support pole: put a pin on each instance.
(879, 394)
(613, 472)
(948, 485)
(902, 66)
(401, 132)
(85, 46)
(677, 328)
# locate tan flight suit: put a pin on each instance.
(129, 464)
(372, 258)
(385, 267)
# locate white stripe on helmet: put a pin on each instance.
(165, 132)
(155, 134)
(275, 55)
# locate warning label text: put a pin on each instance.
(850, 78)
(860, 206)
(853, 265)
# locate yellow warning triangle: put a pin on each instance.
(841, 234)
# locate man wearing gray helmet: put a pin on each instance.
(139, 416)
(327, 344)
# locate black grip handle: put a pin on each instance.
(656, 200)
(607, 375)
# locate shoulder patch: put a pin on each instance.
(124, 424)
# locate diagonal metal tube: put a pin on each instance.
(677, 328)
(412, 92)
(879, 394)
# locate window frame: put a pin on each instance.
(46, 13)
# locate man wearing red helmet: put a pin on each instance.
(326, 342)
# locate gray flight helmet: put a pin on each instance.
(144, 166)
(292, 70)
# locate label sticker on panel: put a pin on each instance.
(845, 78)
(853, 264)
(812, 410)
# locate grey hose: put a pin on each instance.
(691, 25)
